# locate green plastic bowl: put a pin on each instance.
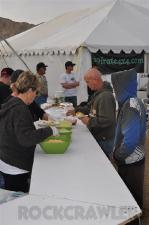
(64, 125)
(56, 147)
(66, 133)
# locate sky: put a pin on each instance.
(37, 11)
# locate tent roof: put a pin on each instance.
(117, 25)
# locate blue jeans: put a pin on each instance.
(41, 99)
(107, 146)
(72, 99)
(2, 182)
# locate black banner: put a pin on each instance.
(113, 62)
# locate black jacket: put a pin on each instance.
(18, 136)
(102, 112)
(36, 111)
(5, 91)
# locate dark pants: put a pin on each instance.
(134, 222)
(72, 99)
(2, 183)
(19, 182)
(133, 177)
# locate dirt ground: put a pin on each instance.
(146, 185)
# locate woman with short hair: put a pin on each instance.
(18, 136)
(36, 111)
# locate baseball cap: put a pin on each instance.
(6, 72)
(40, 65)
(69, 63)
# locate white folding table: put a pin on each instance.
(83, 174)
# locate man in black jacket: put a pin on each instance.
(4, 84)
(101, 111)
(4, 93)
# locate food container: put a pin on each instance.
(64, 124)
(71, 119)
(66, 133)
(56, 144)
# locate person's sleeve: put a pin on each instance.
(25, 131)
(36, 110)
(130, 131)
(105, 113)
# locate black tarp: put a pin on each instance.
(113, 62)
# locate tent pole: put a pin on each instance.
(146, 70)
(7, 43)
(146, 63)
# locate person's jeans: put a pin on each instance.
(72, 99)
(107, 146)
(41, 99)
(2, 182)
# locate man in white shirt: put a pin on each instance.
(69, 83)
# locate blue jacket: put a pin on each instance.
(131, 119)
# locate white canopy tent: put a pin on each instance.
(117, 25)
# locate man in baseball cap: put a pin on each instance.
(40, 65)
(43, 94)
(69, 63)
(5, 90)
(6, 72)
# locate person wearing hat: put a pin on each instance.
(43, 93)
(4, 84)
(69, 83)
